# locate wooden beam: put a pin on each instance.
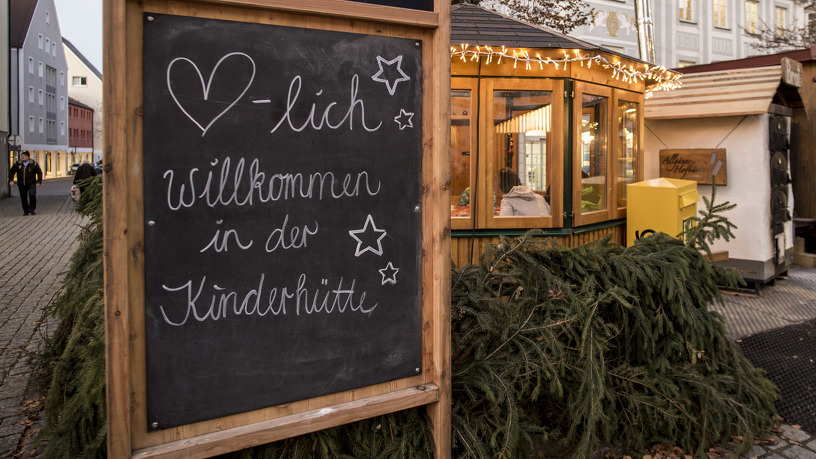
(344, 9)
(281, 428)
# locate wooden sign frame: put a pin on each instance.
(124, 234)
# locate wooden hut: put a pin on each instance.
(733, 128)
(558, 118)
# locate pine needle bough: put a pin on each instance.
(573, 346)
(598, 344)
(71, 363)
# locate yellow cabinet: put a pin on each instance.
(660, 205)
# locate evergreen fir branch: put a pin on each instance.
(711, 225)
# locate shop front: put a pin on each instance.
(546, 132)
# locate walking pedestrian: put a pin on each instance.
(29, 177)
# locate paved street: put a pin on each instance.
(35, 251)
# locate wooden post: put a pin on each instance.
(115, 248)
(440, 411)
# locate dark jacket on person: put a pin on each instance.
(28, 174)
(84, 171)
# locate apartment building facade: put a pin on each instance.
(39, 96)
(689, 32)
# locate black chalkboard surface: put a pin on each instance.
(282, 194)
(425, 5)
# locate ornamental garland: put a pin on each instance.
(666, 79)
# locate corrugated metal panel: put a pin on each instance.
(721, 93)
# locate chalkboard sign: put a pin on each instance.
(282, 204)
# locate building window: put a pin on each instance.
(42, 126)
(47, 45)
(54, 49)
(462, 154)
(50, 76)
(40, 68)
(686, 12)
(780, 20)
(62, 103)
(30, 124)
(62, 127)
(40, 94)
(617, 49)
(62, 78)
(79, 81)
(751, 16)
(40, 41)
(31, 65)
(720, 13)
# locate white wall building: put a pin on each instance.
(85, 85)
(39, 96)
(688, 32)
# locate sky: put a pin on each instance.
(81, 23)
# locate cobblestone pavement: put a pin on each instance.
(788, 301)
(35, 252)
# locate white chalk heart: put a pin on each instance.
(205, 88)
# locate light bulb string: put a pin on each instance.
(666, 79)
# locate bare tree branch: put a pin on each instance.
(770, 38)
(561, 15)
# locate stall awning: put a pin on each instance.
(720, 93)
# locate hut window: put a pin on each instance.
(593, 152)
(628, 113)
(461, 151)
(590, 175)
(520, 153)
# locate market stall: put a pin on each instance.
(732, 128)
(546, 131)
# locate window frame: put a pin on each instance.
(472, 85)
(690, 5)
(596, 216)
(779, 30)
(752, 27)
(619, 211)
(725, 16)
(556, 162)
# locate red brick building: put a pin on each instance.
(80, 130)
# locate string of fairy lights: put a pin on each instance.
(665, 79)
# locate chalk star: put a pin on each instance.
(389, 274)
(405, 119)
(391, 85)
(369, 247)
